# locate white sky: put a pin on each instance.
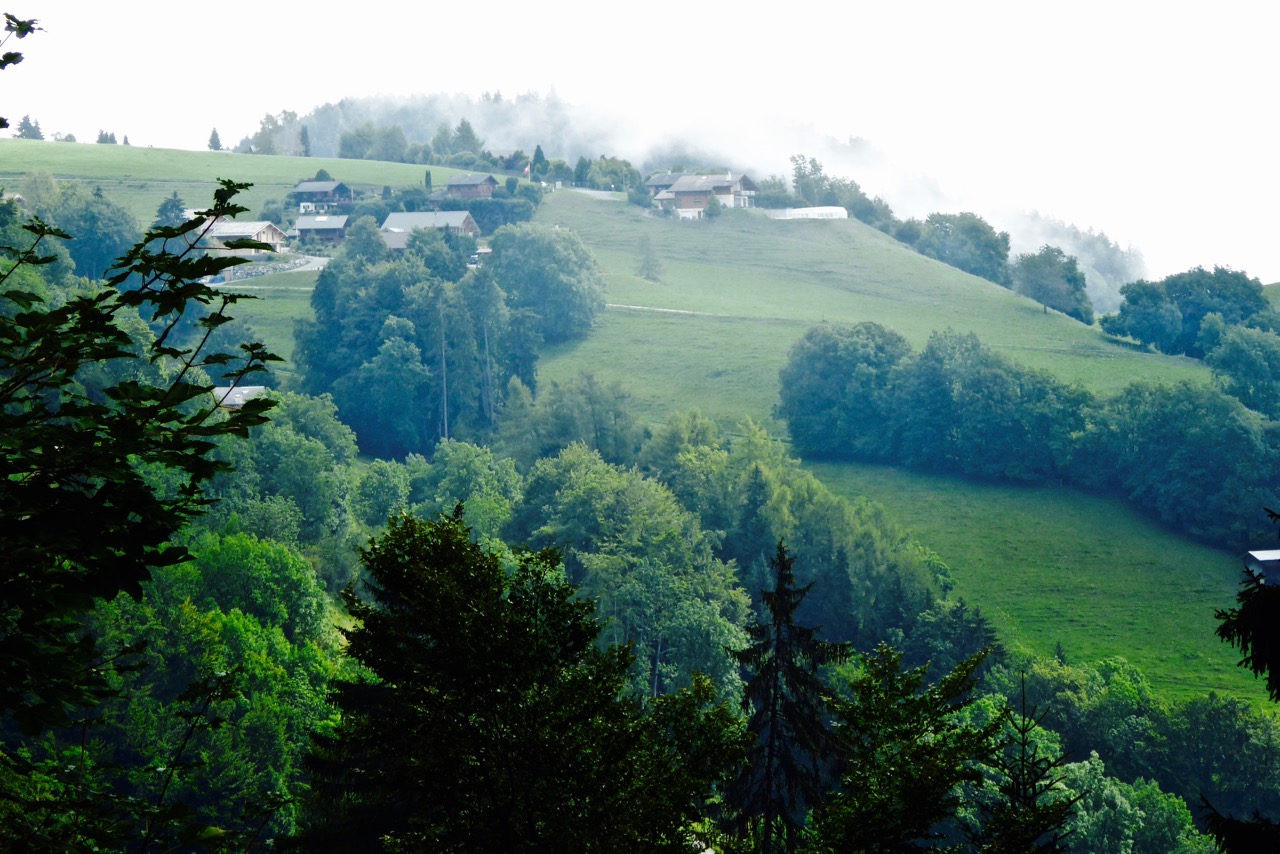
(1154, 122)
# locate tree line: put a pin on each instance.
(1188, 454)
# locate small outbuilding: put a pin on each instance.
(472, 186)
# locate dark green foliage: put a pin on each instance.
(947, 634)
(1149, 309)
(790, 763)
(858, 393)
(1053, 279)
(1187, 454)
(103, 230)
(491, 720)
(967, 242)
(410, 354)
(904, 748)
(630, 545)
(1246, 364)
(813, 187)
(835, 390)
(1030, 809)
(1147, 315)
(872, 580)
(583, 410)
(113, 429)
(105, 439)
(959, 407)
(1252, 628)
(492, 214)
(551, 274)
(171, 212)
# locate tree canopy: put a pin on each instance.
(490, 719)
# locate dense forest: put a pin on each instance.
(420, 600)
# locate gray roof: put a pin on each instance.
(702, 183)
(321, 222)
(467, 180)
(663, 180)
(407, 221)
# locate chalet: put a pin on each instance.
(398, 226)
(263, 231)
(320, 196)
(689, 195)
(322, 228)
(472, 186)
(662, 181)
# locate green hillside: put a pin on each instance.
(140, 178)
(1049, 566)
(739, 290)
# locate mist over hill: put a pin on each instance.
(567, 131)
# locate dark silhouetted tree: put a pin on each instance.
(905, 748)
(790, 763)
(490, 719)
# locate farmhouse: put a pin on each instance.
(320, 196)
(323, 228)
(262, 231)
(398, 226)
(689, 195)
(472, 186)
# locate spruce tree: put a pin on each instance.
(905, 749)
(490, 719)
(1031, 806)
(215, 141)
(789, 765)
(28, 129)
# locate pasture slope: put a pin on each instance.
(1050, 566)
(139, 178)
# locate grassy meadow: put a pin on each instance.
(278, 300)
(1047, 565)
(139, 178)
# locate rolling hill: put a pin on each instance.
(1050, 566)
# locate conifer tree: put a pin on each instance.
(1031, 807)
(215, 141)
(491, 720)
(790, 763)
(905, 749)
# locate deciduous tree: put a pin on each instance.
(1053, 279)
